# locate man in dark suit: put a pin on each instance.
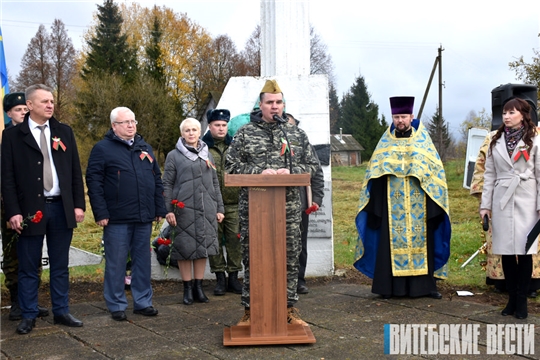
(15, 108)
(41, 172)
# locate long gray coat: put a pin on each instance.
(189, 178)
(512, 193)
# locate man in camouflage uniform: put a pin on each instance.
(311, 198)
(218, 142)
(15, 108)
(261, 147)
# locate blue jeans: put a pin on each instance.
(119, 241)
(29, 251)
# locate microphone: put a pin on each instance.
(279, 119)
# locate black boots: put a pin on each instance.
(15, 312)
(198, 293)
(234, 285)
(193, 291)
(188, 292)
(517, 276)
(220, 288)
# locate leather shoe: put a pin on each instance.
(67, 320)
(42, 311)
(147, 311)
(25, 326)
(302, 289)
(119, 315)
(436, 295)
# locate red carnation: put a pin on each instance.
(37, 217)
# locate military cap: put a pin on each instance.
(13, 99)
(218, 114)
(402, 104)
(271, 87)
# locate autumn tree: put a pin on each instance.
(359, 117)
(63, 69)
(319, 58)
(50, 60)
(481, 120)
(437, 128)
(36, 67)
(250, 57)
(528, 72)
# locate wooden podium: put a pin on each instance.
(268, 263)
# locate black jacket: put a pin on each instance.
(124, 182)
(22, 174)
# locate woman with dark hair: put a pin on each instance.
(511, 199)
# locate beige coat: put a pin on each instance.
(512, 193)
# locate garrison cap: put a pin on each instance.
(271, 87)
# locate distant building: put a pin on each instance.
(346, 151)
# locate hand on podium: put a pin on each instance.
(281, 171)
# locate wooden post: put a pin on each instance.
(268, 263)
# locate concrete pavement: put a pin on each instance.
(347, 321)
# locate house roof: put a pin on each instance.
(344, 142)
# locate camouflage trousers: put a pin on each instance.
(10, 263)
(228, 238)
(293, 244)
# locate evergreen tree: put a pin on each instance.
(334, 110)
(359, 117)
(437, 128)
(154, 66)
(109, 52)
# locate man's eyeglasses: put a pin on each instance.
(127, 122)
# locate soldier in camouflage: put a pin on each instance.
(260, 147)
(218, 141)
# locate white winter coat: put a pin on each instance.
(512, 193)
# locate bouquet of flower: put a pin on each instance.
(163, 243)
(162, 248)
(36, 218)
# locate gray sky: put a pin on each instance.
(392, 44)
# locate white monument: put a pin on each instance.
(285, 56)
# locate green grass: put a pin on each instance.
(346, 185)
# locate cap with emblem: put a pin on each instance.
(13, 99)
(218, 114)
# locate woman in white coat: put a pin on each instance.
(511, 199)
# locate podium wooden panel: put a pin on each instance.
(268, 263)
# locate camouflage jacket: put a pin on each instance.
(218, 149)
(259, 145)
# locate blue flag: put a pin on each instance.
(3, 75)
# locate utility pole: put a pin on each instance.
(438, 62)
